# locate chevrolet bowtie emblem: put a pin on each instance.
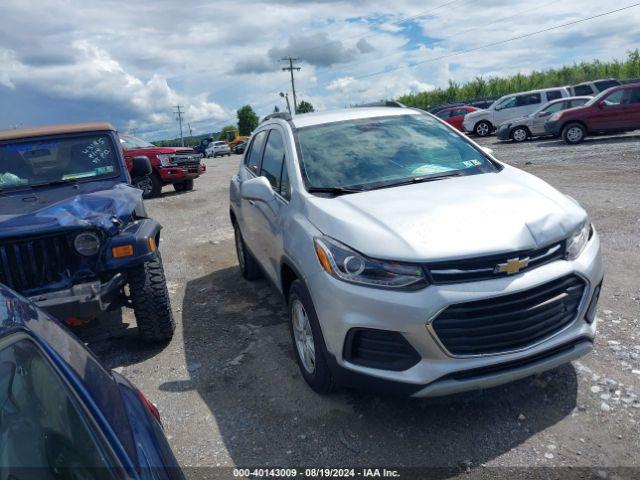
(512, 266)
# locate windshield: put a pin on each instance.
(131, 142)
(40, 162)
(368, 151)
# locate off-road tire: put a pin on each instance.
(156, 186)
(187, 185)
(520, 134)
(150, 302)
(483, 128)
(321, 380)
(249, 267)
(570, 136)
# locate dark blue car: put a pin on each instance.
(62, 414)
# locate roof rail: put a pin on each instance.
(383, 103)
(283, 115)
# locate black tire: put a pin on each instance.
(320, 378)
(151, 185)
(150, 302)
(574, 133)
(249, 266)
(187, 185)
(483, 128)
(520, 134)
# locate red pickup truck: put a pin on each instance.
(178, 166)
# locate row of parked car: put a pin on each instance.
(573, 113)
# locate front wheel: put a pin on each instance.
(519, 134)
(187, 185)
(482, 128)
(248, 264)
(151, 185)
(573, 133)
(308, 343)
(150, 302)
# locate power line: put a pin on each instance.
(493, 44)
(439, 40)
(290, 69)
(179, 118)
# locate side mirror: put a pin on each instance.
(487, 150)
(601, 104)
(141, 167)
(257, 189)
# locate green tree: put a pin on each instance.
(247, 120)
(225, 129)
(305, 107)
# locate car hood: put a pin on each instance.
(451, 218)
(82, 205)
(160, 150)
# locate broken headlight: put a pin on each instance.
(578, 240)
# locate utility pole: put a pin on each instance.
(178, 112)
(290, 69)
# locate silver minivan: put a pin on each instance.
(514, 105)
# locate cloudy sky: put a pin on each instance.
(129, 62)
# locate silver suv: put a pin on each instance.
(410, 258)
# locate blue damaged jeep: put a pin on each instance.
(74, 234)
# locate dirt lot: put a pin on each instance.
(230, 393)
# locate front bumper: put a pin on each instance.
(552, 128)
(83, 300)
(179, 173)
(467, 125)
(504, 132)
(342, 306)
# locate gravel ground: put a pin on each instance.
(229, 391)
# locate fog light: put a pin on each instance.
(122, 251)
(87, 244)
(593, 306)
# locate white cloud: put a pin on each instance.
(132, 61)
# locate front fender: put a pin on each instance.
(142, 235)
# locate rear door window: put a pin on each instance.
(255, 152)
(583, 90)
(554, 94)
(528, 99)
(634, 95)
(43, 423)
(604, 84)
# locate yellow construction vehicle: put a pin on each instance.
(233, 137)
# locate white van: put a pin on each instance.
(514, 105)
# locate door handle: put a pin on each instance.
(252, 203)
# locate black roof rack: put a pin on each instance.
(283, 115)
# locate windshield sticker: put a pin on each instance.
(429, 169)
(101, 170)
(75, 176)
(471, 163)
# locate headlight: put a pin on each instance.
(346, 264)
(87, 244)
(555, 117)
(577, 241)
(165, 160)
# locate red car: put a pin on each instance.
(178, 166)
(455, 115)
(614, 110)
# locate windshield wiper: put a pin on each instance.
(335, 190)
(55, 182)
(411, 181)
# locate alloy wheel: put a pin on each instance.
(303, 336)
(519, 135)
(574, 134)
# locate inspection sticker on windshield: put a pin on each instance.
(471, 163)
(429, 169)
